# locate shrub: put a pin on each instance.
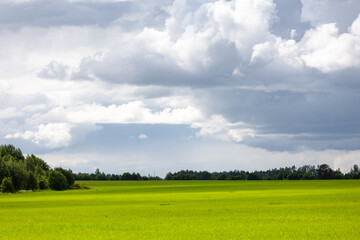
(7, 185)
(57, 181)
(79, 186)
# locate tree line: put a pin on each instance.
(97, 175)
(306, 172)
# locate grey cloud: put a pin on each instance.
(54, 70)
(154, 69)
(340, 12)
(289, 17)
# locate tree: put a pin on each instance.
(293, 176)
(7, 185)
(4, 171)
(57, 181)
(43, 184)
(16, 153)
(253, 176)
(325, 172)
(36, 165)
(32, 182)
(222, 176)
(68, 174)
(17, 171)
(101, 176)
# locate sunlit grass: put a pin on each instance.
(187, 210)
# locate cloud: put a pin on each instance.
(54, 70)
(10, 112)
(198, 39)
(319, 12)
(132, 112)
(52, 135)
(143, 137)
(218, 128)
(322, 48)
(278, 75)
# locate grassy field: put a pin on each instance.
(187, 210)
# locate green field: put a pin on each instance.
(187, 210)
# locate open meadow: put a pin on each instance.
(186, 210)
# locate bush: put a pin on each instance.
(79, 186)
(57, 181)
(7, 185)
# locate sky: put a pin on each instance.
(164, 85)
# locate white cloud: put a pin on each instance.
(143, 136)
(327, 50)
(52, 135)
(219, 128)
(132, 112)
(10, 112)
(322, 48)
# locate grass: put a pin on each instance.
(187, 210)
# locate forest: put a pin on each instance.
(19, 173)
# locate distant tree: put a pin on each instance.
(204, 175)
(126, 176)
(97, 171)
(101, 176)
(253, 176)
(7, 185)
(32, 182)
(169, 176)
(355, 169)
(57, 181)
(325, 172)
(68, 174)
(222, 176)
(293, 176)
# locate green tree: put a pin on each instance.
(7, 185)
(32, 182)
(293, 176)
(12, 151)
(36, 165)
(57, 181)
(325, 172)
(17, 171)
(253, 176)
(43, 184)
(70, 178)
(4, 171)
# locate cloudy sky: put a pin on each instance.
(163, 85)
